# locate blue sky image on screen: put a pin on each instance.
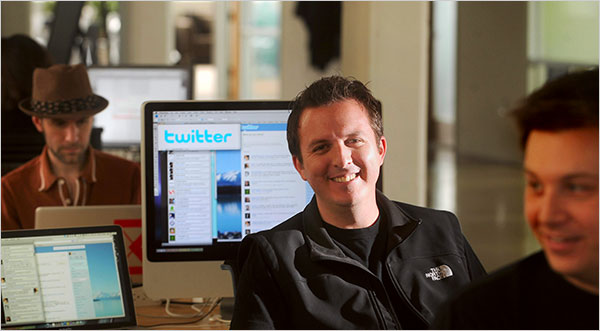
(104, 280)
(229, 193)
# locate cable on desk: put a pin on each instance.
(189, 303)
(198, 319)
(194, 307)
(218, 319)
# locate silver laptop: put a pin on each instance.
(67, 278)
(129, 217)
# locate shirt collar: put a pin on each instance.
(48, 178)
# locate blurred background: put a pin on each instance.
(446, 73)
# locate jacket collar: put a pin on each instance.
(320, 243)
(398, 225)
(48, 178)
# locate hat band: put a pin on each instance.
(66, 106)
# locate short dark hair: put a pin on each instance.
(326, 91)
(567, 102)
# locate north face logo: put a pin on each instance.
(439, 272)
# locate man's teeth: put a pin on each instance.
(344, 179)
(560, 239)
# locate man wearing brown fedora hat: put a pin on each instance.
(69, 172)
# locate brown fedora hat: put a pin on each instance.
(62, 91)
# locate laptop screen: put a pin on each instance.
(129, 217)
(65, 278)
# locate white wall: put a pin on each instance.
(147, 32)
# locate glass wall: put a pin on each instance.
(562, 36)
(260, 50)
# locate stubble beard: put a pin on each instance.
(69, 159)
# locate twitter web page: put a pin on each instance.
(227, 180)
(60, 280)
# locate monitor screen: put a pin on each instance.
(126, 89)
(214, 173)
(67, 278)
(128, 217)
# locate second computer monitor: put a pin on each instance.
(126, 88)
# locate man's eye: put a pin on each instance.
(534, 185)
(578, 188)
(318, 148)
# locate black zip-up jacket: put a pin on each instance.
(294, 276)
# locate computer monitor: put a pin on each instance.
(126, 88)
(67, 278)
(213, 172)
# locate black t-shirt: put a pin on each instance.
(365, 245)
(525, 295)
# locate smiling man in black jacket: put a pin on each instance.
(353, 258)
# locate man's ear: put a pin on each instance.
(37, 122)
(382, 148)
(299, 166)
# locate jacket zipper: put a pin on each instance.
(377, 309)
(373, 297)
(404, 296)
(390, 308)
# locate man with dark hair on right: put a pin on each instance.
(556, 288)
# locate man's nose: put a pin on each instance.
(72, 133)
(342, 155)
(551, 208)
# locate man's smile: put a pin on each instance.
(344, 179)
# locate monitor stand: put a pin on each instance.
(227, 303)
